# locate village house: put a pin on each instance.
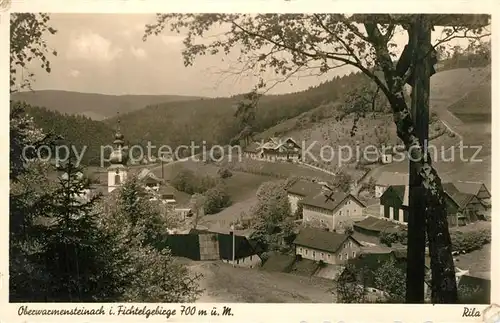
(373, 226)
(477, 189)
(387, 179)
(299, 190)
(329, 247)
(275, 149)
(462, 207)
(332, 211)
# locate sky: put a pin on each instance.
(105, 53)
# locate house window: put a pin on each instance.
(346, 256)
(117, 179)
(306, 251)
(354, 254)
(322, 255)
(340, 256)
(328, 256)
(314, 253)
(340, 213)
(300, 249)
(251, 258)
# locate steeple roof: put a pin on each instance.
(119, 155)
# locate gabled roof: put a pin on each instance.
(274, 143)
(304, 188)
(374, 224)
(401, 191)
(450, 188)
(147, 176)
(474, 188)
(392, 178)
(321, 240)
(324, 201)
(461, 199)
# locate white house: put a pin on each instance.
(275, 149)
(334, 212)
(330, 247)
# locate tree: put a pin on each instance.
(349, 287)
(293, 43)
(245, 115)
(197, 203)
(391, 278)
(272, 214)
(27, 32)
(216, 199)
(343, 182)
(145, 269)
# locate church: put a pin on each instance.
(119, 171)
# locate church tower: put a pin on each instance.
(117, 171)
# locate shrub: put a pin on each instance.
(389, 238)
(224, 173)
(470, 241)
(216, 200)
(189, 182)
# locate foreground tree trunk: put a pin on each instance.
(444, 289)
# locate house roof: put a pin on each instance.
(304, 188)
(450, 188)
(274, 143)
(371, 223)
(147, 176)
(323, 201)
(473, 188)
(321, 240)
(461, 199)
(392, 178)
(402, 191)
(477, 290)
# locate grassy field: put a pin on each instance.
(278, 169)
(241, 186)
(223, 283)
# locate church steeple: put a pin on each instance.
(119, 155)
(117, 171)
